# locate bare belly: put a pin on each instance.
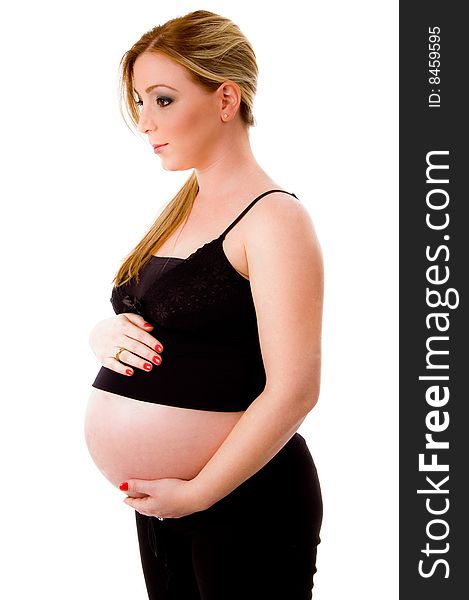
(128, 438)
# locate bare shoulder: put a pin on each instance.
(281, 224)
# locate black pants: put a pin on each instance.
(257, 543)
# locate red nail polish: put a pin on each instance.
(129, 371)
(147, 366)
(158, 348)
(147, 325)
(157, 360)
(124, 486)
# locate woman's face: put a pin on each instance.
(177, 112)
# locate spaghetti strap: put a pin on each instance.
(249, 206)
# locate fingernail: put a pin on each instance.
(124, 486)
(129, 371)
(158, 348)
(147, 366)
(147, 325)
(157, 360)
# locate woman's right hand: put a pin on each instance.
(127, 331)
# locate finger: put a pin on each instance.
(137, 495)
(135, 502)
(138, 507)
(124, 487)
(110, 362)
(129, 358)
(137, 485)
(138, 354)
(139, 335)
(143, 350)
(138, 320)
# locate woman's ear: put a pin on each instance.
(230, 98)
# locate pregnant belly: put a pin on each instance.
(129, 438)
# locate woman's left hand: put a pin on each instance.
(168, 498)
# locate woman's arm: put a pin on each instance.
(286, 275)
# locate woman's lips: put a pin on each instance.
(158, 149)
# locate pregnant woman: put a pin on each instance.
(212, 360)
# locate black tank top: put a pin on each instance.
(203, 312)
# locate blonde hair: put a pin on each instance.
(212, 49)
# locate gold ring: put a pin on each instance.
(118, 353)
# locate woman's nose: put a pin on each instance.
(145, 123)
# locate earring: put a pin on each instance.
(226, 116)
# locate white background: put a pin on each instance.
(79, 190)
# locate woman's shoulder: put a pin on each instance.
(281, 205)
(279, 218)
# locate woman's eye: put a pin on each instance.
(163, 98)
